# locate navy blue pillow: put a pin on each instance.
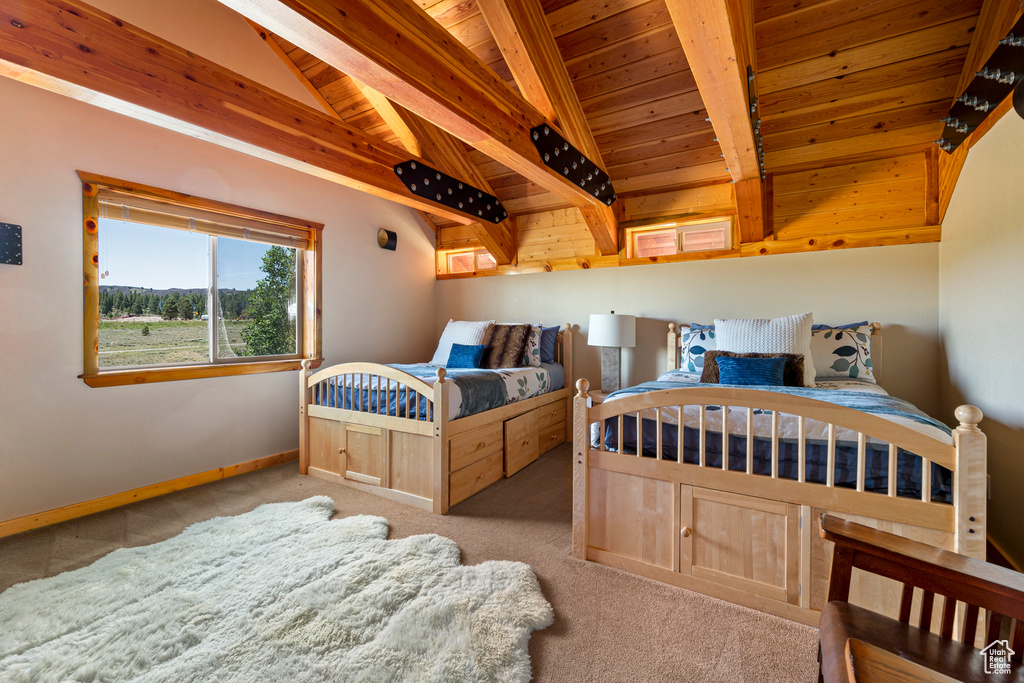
(750, 371)
(548, 337)
(465, 356)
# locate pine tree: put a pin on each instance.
(185, 308)
(271, 331)
(169, 311)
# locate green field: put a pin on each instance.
(169, 342)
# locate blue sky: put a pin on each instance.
(139, 255)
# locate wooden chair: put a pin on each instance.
(863, 646)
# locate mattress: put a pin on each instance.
(861, 395)
(472, 391)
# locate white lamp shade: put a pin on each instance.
(612, 330)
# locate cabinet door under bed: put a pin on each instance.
(372, 456)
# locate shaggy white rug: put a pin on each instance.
(277, 594)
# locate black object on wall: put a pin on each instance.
(10, 244)
(387, 239)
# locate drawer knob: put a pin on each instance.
(481, 444)
(686, 532)
(341, 451)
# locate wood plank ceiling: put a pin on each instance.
(836, 78)
(850, 97)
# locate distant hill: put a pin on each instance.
(124, 289)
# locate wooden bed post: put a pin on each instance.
(876, 351)
(567, 367)
(673, 348)
(441, 453)
(970, 483)
(305, 398)
(580, 471)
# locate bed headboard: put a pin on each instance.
(675, 341)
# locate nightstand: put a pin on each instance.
(597, 397)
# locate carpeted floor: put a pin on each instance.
(609, 625)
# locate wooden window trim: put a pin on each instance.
(312, 288)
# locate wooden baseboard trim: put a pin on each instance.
(61, 514)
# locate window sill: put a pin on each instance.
(117, 378)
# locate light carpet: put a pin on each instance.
(280, 593)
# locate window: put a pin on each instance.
(179, 287)
(470, 261)
(668, 239)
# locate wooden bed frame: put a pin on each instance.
(430, 462)
(751, 539)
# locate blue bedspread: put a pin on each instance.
(908, 469)
(476, 391)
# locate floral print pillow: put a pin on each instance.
(531, 356)
(842, 352)
(693, 345)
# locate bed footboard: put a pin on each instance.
(723, 516)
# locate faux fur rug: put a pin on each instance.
(277, 594)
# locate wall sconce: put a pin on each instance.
(387, 239)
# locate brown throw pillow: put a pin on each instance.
(792, 374)
(506, 348)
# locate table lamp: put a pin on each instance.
(611, 332)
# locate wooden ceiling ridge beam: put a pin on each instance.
(73, 49)
(527, 42)
(397, 49)
(718, 39)
(498, 238)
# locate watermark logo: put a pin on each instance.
(997, 657)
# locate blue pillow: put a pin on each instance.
(465, 356)
(750, 371)
(698, 326)
(548, 337)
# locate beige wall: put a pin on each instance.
(62, 442)
(982, 313)
(897, 286)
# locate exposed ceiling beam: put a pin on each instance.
(397, 49)
(525, 39)
(499, 238)
(717, 38)
(994, 20)
(73, 49)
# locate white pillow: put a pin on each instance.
(469, 332)
(791, 334)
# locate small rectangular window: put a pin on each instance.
(183, 287)
(668, 239)
(470, 261)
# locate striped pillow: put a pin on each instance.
(751, 371)
(469, 332)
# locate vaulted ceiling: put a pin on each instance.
(848, 100)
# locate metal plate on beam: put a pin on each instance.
(433, 185)
(10, 244)
(563, 158)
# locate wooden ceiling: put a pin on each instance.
(850, 97)
(836, 79)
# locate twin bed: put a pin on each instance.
(744, 528)
(430, 436)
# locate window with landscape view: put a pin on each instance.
(180, 285)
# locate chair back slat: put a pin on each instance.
(948, 612)
(970, 625)
(906, 602)
(995, 624)
(927, 602)
(1018, 641)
